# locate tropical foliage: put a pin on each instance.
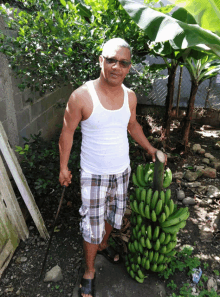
(59, 42)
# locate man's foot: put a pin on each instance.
(109, 252)
(87, 284)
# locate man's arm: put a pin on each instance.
(135, 129)
(72, 117)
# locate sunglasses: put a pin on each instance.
(124, 64)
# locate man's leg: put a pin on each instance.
(104, 243)
(90, 251)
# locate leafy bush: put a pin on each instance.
(40, 163)
(59, 42)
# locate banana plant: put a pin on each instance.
(199, 70)
(176, 57)
(206, 12)
(160, 27)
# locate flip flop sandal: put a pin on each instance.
(88, 287)
(109, 253)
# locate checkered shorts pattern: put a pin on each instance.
(104, 197)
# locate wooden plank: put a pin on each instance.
(9, 239)
(6, 255)
(22, 184)
(11, 204)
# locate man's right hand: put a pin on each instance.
(65, 177)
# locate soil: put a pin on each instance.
(21, 278)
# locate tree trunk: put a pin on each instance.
(169, 98)
(179, 90)
(158, 171)
(189, 113)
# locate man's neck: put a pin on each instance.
(107, 88)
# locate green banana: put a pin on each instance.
(167, 239)
(163, 249)
(156, 232)
(139, 235)
(153, 216)
(171, 222)
(171, 206)
(167, 211)
(154, 200)
(139, 280)
(134, 180)
(141, 209)
(167, 196)
(162, 196)
(143, 262)
(147, 175)
(143, 195)
(135, 205)
(138, 194)
(133, 267)
(132, 206)
(173, 237)
(143, 242)
(146, 252)
(149, 195)
(153, 267)
(139, 220)
(148, 244)
(155, 258)
(140, 274)
(134, 220)
(158, 207)
(132, 274)
(157, 245)
(147, 265)
(149, 232)
(139, 174)
(151, 255)
(143, 230)
(160, 268)
(131, 197)
(139, 260)
(162, 237)
(160, 259)
(146, 168)
(175, 228)
(147, 212)
(140, 248)
(167, 178)
(162, 218)
(136, 245)
(134, 233)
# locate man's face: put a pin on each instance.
(114, 73)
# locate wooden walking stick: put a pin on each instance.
(54, 224)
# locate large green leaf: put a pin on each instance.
(206, 12)
(161, 27)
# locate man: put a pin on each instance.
(106, 109)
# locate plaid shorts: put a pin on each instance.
(104, 197)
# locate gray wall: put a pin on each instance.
(21, 118)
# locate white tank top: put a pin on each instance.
(105, 147)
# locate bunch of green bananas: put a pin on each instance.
(155, 222)
(144, 176)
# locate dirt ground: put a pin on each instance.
(21, 278)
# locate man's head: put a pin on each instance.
(115, 42)
(115, 61)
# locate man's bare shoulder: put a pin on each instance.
(79, 96)
(132, 98)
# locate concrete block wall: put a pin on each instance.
(21, 118)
